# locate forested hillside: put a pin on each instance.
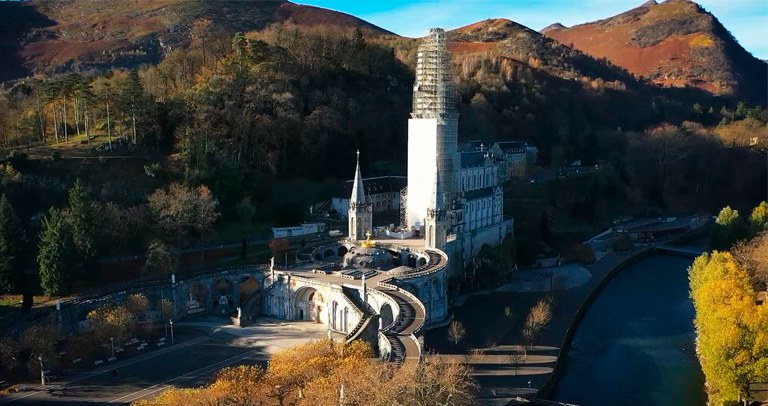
(256, 123)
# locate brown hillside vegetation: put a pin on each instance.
(675, 43)
(46, 36)
(501, 39)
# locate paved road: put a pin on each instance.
(190, 364)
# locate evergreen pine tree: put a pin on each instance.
(55, 254)
(82, 222)
(12, 239)
(133, 100)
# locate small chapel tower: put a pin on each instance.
(435, 228)
(360, 212)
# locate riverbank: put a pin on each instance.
(494, 321)
(635, 345)
(602, 272)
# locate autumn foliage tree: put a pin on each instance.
(538, 319)
(180, 209)
(732, 331)
(331, 373)
(111, 321)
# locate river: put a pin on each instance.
(635, 344)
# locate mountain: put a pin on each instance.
(49, 36)
(555, 26)
(676, 43)
(505, 39)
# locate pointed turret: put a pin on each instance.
(358, 193)
(360, 211)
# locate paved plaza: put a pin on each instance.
(191, 363)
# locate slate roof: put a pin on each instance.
(381, 184)
(513, 147)
(471, 146)
(473, 159)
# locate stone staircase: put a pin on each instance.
(353, 297)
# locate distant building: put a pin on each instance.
(516, 157)
(382, 193)
(512, 157)
(304, 229)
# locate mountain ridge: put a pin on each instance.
(676, 44)
(682, 46)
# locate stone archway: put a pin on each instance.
(248, 287)
(196, 298)
(386, 315)
(309, 304)
(223, 292)
(328, 254)
(341, 251)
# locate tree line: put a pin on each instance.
(731, 325)
(69, 239)
(325, 372)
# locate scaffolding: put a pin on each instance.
(434, 95)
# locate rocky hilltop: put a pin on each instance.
(675, 43)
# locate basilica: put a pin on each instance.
(389, 289)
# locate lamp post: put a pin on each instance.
(112, 341)
(171, 323)
(42, 370)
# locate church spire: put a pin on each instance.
(358, 193)
(360, 211)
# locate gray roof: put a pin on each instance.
(381, 184)
(474, 145)
(512, 147)
(473, 159)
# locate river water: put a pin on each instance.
(635, 344)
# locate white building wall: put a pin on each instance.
(492, 235)
(422, 150)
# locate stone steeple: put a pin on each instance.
(360, 211)
(358, 192)
(436, 227)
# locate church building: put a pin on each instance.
(454, 199)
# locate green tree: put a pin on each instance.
(728, 228)
(55, 254)
(160, 260)
(758, 219)
(134, 100)
(12, 239)
(82, 223)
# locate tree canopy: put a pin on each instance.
(331, 373)
(56, 252)
(732, 331)
(12, 240)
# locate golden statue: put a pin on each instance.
(368, 243)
